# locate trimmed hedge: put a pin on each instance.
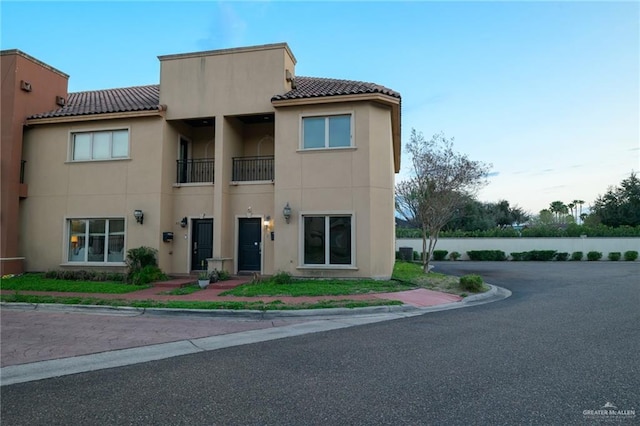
(594, 255)
(614, 256)
(630, 255)
(82, 275)
(454, 255)
(577, 255)
(562, 256)
(440, 254)
(487, 255)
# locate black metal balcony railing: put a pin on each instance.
(195, 170)
(22, 170)
(252, 168)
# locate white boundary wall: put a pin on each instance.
(509, 245)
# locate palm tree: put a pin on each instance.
(571, 207)
(557, 207)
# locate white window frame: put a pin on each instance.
(326, 116)
(107, 233)
(110, 131)
(326, 215)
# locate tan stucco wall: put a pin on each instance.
(231, 82)
(350, 180)
(61, 189)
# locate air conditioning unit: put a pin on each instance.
(25, 85)
(61, 101)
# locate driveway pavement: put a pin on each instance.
(562, 347)
(40, 341)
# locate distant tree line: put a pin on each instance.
(614, 214)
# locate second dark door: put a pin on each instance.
(201, 243)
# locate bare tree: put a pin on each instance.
(441, 181)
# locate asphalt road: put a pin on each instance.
(567, 341)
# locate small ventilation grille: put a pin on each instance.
(25, 85)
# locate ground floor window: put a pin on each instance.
(327, 240)
(96, 240)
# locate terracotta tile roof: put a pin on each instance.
(127, 99)
(313, 87)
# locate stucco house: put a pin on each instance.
(231, 162)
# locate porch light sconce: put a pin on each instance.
(286, 212)
(267, 222)
(139, 216)
(183, 222)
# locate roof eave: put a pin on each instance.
(92, 117)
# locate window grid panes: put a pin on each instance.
(334, 250)
(326, 132)
(88, 240)
(100, 145)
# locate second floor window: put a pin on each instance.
(333, 131)
(105, 145)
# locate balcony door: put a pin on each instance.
(249, 245)
(184, 156)
(201, 243)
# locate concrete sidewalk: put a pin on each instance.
(43, 341)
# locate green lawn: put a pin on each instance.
(406, 276)
(37, 282)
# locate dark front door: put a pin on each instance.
(249, 240)
(201, 243)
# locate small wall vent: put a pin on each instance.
(25, 85)
(61, 101)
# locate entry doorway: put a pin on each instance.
(201, 243)
(249, 245)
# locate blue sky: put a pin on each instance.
(547, 92)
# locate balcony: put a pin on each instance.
(252, 169)
(195, 170)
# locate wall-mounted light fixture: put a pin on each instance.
(249, 212)
(286, 212)
(267, 222)
(139, 216)
(183, 222)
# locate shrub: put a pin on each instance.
(138, 259)
(398, 255)
(454, 255)
(472, 283)
(542, 255)
(518, 256)
(576, 255)
(487, 255)
(440, 254)
(282, 278)
(630, 255)
(223, 275)
(148, 274)
(563, 256)
(594, 255)
(614, 256)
